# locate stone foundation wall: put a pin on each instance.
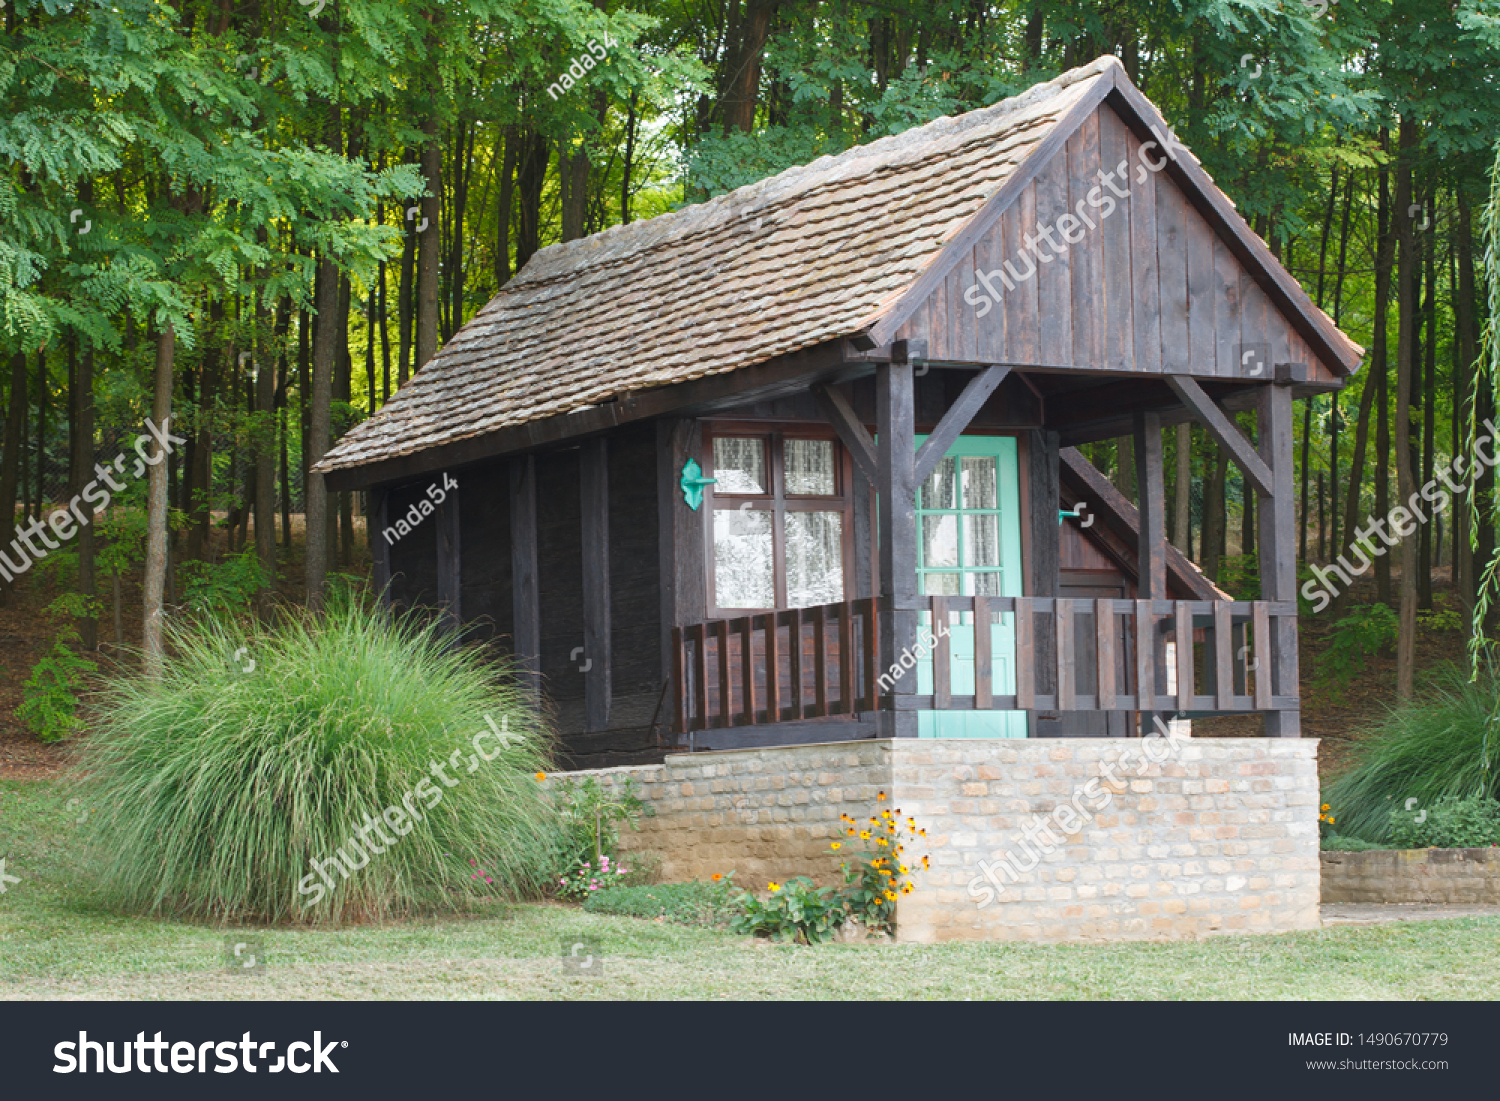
(1467, 876)
(1040, 839)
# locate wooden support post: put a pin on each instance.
(897, 487)
(593, 469)
(526, 627)
(1046, 550)
(1151, 543)
(1278, 551)
(380, 546)
(449, 562)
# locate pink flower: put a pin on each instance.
(593, 886)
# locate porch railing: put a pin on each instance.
(1069, 655)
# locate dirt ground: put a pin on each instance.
(1340, 720)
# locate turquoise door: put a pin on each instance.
(968, 542)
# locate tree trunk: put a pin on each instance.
(265, 459)
(156, 511)
(405, 300)
(1214, 517)
(341, 521)
(428, 244)
(530, 178)
(1125, 466)
(1356, 475)
(1429, 408)
(324, 357)
(1406, 305)
(1465, 359)
(510, 135)
(10, 463)
(1182, 509)
(82, 474)
(200, 469)
(1380, 363)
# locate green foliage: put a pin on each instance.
(1450, 823)
(1441, 619)
(1361, 634)
(588, 879)
(696, 903)
(1239, 576)
(223, 587)
(1336, 843)
(1439, 745)
(216, 789)
(878, 874)
(589, 815)
(49, 698)
(797, 911)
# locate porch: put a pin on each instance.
(1070, 655)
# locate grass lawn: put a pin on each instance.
(55, 944)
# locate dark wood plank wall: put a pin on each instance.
(560, 573)
(634, 578)
(485, 536)
(1149, 288)
(414, 581)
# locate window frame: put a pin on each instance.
(777, 502)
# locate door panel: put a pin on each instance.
(969, 541)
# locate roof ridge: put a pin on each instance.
(618, 241)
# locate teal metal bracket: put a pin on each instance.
(692, 484)
(1061, 513)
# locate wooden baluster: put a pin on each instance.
(1260, 625)
(1145, 657)
(942, 673)
(984, 662)
(746, 630)
(1184, 628)
(794, 652)
(700, 674)
(1223, 655)
(846, 659)
(679, 683)
(726, 701)
(1104, 635)
(820, 662)
(1066, 658)
(773, 669)
(1025, 652)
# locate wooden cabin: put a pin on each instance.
(723, 477)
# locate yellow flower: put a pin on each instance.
(774, 887)
(717, 876)
(849, 832)
(1324, 806)
(904, 868)
(881, 797)
(881, 841)
(835, 846)
(890, 896)
(540, 776)
(864, 835)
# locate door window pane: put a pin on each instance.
(940, 584)
(984, 584)
(939, 540)
(809, 468)
(938, 491)
(743, 559)
(740, 467)
(982, 540)
(979, 482)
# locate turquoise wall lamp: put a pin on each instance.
(693, 482)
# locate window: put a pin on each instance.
(780, 518)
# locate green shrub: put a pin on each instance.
(589, 816)
(696, 903)
(1433, 747)
(49, 698)
(1450, 823)
(1334, 843)
(798, 911)
(217, 788)
(1361, 634)
(228, 586)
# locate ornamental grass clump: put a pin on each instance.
(334, 768)
(1441, 745)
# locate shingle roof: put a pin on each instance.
(812, 254)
